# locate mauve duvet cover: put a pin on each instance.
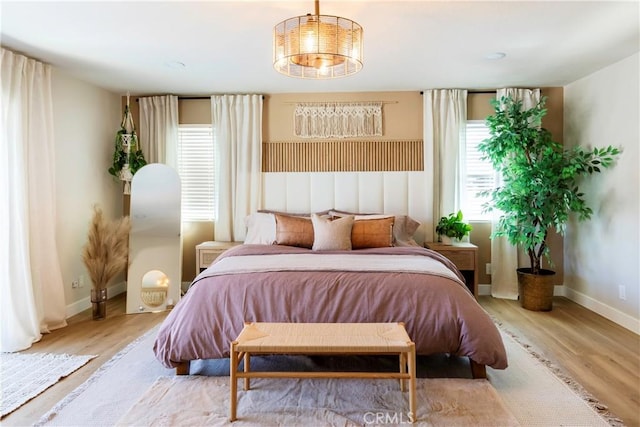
(439, 313)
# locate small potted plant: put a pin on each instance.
(452, 227)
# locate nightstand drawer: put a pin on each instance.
(464, 257)
(208, 256)
(207, 252)
(464, 260)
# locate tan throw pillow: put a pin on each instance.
(404, 226)
(372, 233)
(294, 231)
(332, 235)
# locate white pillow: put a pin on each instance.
(261, 229)
(331, 235)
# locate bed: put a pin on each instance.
(291, 282)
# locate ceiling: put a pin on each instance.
(226, 46)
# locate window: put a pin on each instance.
(196, 166)
(479, 173)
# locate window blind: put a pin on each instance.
(196, 167)
(479, 174)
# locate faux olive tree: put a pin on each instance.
(540, 178)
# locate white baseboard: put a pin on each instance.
(629, 322)
(85, 303)
(484, 289)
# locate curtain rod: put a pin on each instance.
(188, 97)
(336, 102)
(194, 97)
(199, 97)
(471, 91)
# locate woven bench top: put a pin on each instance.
(323, 338)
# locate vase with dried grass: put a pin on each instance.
(105, 255)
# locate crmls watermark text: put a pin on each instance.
(380, 418)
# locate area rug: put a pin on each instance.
(25, 375)
(529, 390)
(204, 401)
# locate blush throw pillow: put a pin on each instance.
(294, 231)
(404, 228)
(332, 235)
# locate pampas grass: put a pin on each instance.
(107, 250)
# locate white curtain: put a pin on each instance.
(504, 256)
(159, 129)
(31, 289)
(445, 118)
(237, 133)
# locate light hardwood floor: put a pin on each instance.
(84, 336)
(600, 355)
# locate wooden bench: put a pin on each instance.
(323, 339)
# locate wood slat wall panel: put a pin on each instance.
(342, 156)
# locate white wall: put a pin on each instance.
(86, 119)
(604, 253)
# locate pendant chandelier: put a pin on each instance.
(317, 46)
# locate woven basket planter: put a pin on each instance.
(535, 291)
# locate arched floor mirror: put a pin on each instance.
(155, 243)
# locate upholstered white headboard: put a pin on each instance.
(402, 193)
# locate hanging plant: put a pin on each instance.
(127, 157)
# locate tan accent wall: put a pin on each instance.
(480, 236)
(402, 113)
(479, 105)
(194, 111)
(554, 122)
(193, 233)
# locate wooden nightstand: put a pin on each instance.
(207, 252)
(465, 257)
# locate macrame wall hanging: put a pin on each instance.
(337, 119)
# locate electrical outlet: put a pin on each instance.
(622, 292)
(488, 268)
(75, 284)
